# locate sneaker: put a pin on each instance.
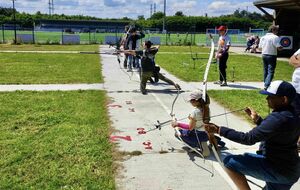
(218, 82)
(177, 86)
(129, 70)
(144, 92)
(224, 84)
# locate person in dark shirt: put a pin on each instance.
(148, 65)
(277, 161)
(132, 44)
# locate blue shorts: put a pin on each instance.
(258, 167)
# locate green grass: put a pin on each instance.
(29, 68)
(238, 99)
(37, 47)
(239, 67)
(55, 140)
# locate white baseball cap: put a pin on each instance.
(280, 88)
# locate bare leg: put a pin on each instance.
(239, 180)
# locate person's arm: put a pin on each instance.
(254, 116)
(262, 132)
(295, 60)
(141, 35)
(131, 52)
(192, 123)
(277, 44)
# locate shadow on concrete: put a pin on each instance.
(240, 86)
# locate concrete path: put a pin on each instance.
(163, 163)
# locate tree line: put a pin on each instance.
(178, 22)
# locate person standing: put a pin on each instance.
(222, 55)
(269, 44)
(132, 44)
(124, 43)
(277, 161)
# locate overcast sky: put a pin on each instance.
(132, 8)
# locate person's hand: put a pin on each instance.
(218, 55)
(174, 124)
(250, 112)
(211, 128)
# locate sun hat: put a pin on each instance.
(195, 95)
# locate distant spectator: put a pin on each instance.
(270, 44)
(255, 45)
(132, 44)
(250, 42)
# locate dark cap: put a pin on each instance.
(222, 28)
(280, 88)
(148, 43)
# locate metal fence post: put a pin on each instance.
(89, 36)
(62, 36)
(3, 33)
(33, 35)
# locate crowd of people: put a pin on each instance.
(277, 160)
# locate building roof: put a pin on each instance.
(278, 4)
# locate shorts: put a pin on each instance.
(258, 167)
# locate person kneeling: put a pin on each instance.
(193, 133)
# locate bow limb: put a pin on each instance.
(211, 137)
(211, 55)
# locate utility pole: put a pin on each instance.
(164, 19)
(151, 10)
(49, 7)
(15, 24)
(154, 11)
(52, 7)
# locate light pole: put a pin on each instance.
(164, 19)
(14, 18)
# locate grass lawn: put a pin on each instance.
(55, 140)
(239, 67)
(29, 68)
(37, 47)
(238, 99)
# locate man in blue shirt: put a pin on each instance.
(277, 161)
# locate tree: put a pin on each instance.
(157, 15)
(141, 17)
(179, 13)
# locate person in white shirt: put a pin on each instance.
(270, 44)
(295, 61)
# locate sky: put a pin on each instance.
(132, 8)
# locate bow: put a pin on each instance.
(211, 138)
